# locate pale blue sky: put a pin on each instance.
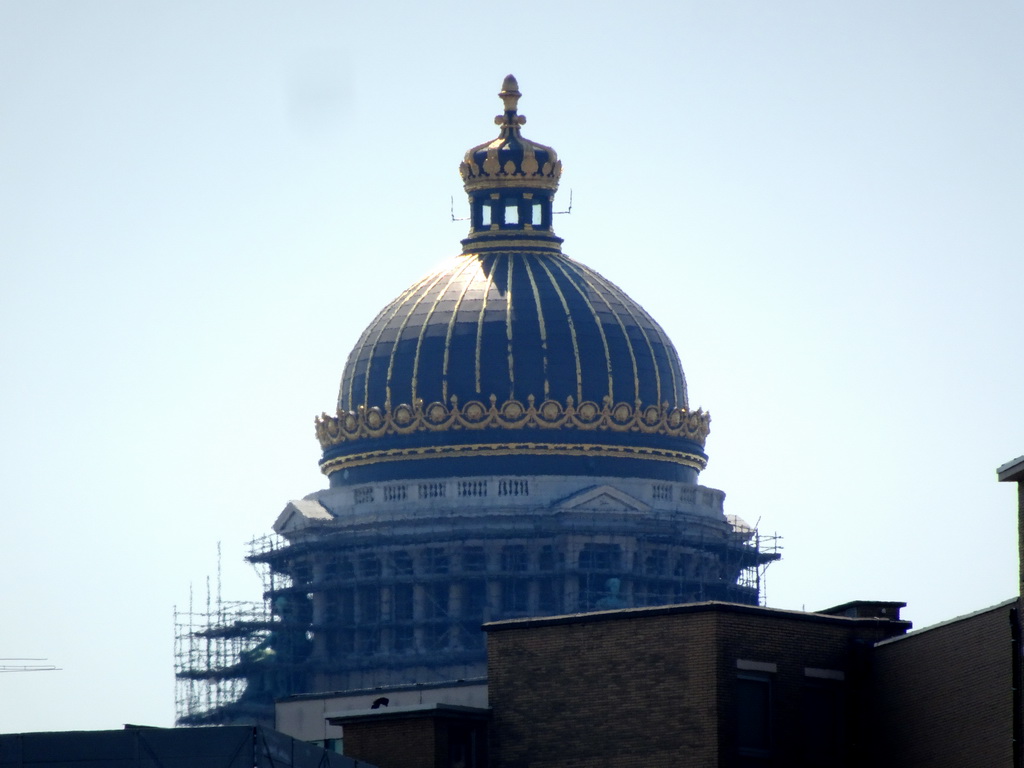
(202, 204)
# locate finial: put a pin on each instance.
(510, 98)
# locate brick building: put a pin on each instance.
(731, 686)
(712, 684)
(945, 695)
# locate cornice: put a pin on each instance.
(588, 416)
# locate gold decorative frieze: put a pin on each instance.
(476, 450)
(512, 414)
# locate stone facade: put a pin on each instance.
(396, 578)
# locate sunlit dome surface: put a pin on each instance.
(513, 325)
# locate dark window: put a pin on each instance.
(546, 560)
(656, 563)
(301, 574)
(403, 638)
(824, 723)
(368, 640)
(474, 559)
(402, 563)
(345, 569)
(369, 604)
(473, 636)
(514, 595)
(600, 557)
(403, 602)
(331, 608)
(513, 558)
(547, 597)
(753, 715)
(340, 642)
(346, 606)
(437, 600)
(475, 599)
(435, 561)
(369, 566)
(435, 637)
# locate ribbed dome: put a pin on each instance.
(513, 325)
(512, 358)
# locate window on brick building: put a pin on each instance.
(754, 715)
(823, 723)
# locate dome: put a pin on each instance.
(515, 325)
(512, 358)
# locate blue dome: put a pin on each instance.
(512, 358)
(513, 325)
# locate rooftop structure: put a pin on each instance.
(143, 747)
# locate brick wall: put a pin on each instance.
(393, 744)
(944, 696)
(588, 694)
(809, 659)
(658, 687)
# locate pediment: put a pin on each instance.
(604, 498)
(300, 514)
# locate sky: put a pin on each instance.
(203, 204)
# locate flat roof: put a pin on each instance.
(225, 746)
(838, 609)
(917, 632)
(379, 689)
(1012, 471)
(682, 608)
(409, 712)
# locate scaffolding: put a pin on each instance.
(215, 647)
(398, 597)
